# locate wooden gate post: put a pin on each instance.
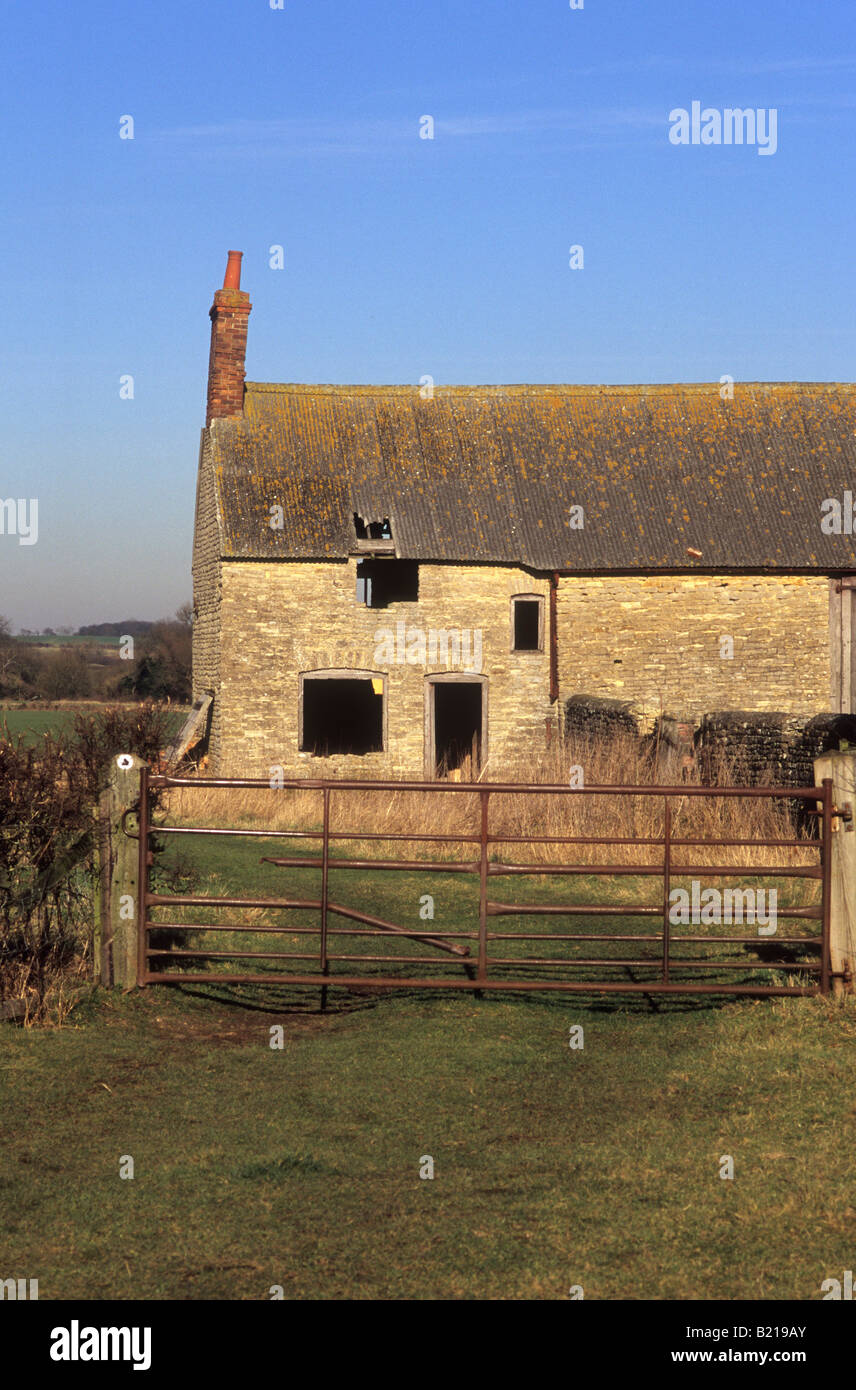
(118, 907)
(841, 767)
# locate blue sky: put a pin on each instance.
(299, 127)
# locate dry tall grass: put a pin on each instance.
(617, 819)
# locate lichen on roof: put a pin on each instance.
(488, 474)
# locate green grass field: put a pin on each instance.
(32, 724)
(299, 1167)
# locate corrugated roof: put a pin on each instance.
(489, 473)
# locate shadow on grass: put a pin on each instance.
(342, 1002)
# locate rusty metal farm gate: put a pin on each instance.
(468, 945)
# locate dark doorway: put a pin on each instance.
(341, 716)
(457, 726)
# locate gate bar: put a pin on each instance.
(824, 809)
(484, 797)
(142, 875)
(826, 891)
(325, 865)
(475, 788)
(471, 839)
(667, 855)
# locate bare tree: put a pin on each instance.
(7, 648)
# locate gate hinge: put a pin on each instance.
(845, 813)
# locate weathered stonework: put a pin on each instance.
(206, 596)
(652, 640)
(656, 641)
(280, 620)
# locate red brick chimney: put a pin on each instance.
(229, 315)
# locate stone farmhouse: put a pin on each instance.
(387, 578)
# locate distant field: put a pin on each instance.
(68, 641)
(33, 724)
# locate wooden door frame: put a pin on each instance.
(842, 646)
(447, 678)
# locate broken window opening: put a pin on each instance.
(372, 530)
(527, 624)
(341, 715)
(382, 582)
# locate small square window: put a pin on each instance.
(526, 635)
(382, 582)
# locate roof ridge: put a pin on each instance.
(567, 388)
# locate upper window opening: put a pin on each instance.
(382, 582)
(527, 624)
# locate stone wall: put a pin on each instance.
(656, 641)
(206, 596)
(650, 644)
(774, 748)
(280, 620)
(745, 747)
(590, 717)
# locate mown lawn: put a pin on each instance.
(553, 1167)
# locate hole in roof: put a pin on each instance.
(368, 530)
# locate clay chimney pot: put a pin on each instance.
(232, 278)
